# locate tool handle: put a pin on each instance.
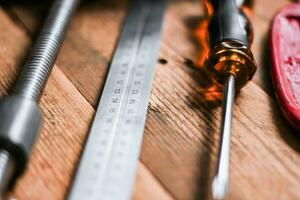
(284, 51)
(230, 34)
(228, 22)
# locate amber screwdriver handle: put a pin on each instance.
(230, 35)
(227, 23)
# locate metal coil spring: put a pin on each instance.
(43, 54)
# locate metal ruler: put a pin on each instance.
(109, 160)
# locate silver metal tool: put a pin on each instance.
(20, 117)
(221, 180)
(108, 164)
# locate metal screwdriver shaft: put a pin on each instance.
(20, 116)
(220, 182)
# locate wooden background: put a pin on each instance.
(182, 131)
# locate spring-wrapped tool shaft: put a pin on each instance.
(44, 52)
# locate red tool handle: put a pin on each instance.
(285, 52)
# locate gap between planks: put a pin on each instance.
(144, 177)
(29, 28)
(248, 127)
(258, 14)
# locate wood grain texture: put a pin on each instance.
(182, 130)
(61, 134)
(67, 116)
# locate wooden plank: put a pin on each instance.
(63, 129)
(261, 20)
(147, 187)
(182, 129)
(67, 116)
(76, 56)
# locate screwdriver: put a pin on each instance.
(20, 117)
(231, 65)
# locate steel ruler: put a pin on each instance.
(109, 160)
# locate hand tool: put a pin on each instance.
(285, 53)
(19, 113)
(109, 160)
(230, 63)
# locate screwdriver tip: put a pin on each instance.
(219, 188)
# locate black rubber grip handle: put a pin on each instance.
(227, 23)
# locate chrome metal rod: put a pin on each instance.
(221, 179)
(43, 55)
(20, 117)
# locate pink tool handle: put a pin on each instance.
(285, 52)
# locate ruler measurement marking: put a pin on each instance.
(130, 101)
(116, 134)
(120, 98)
